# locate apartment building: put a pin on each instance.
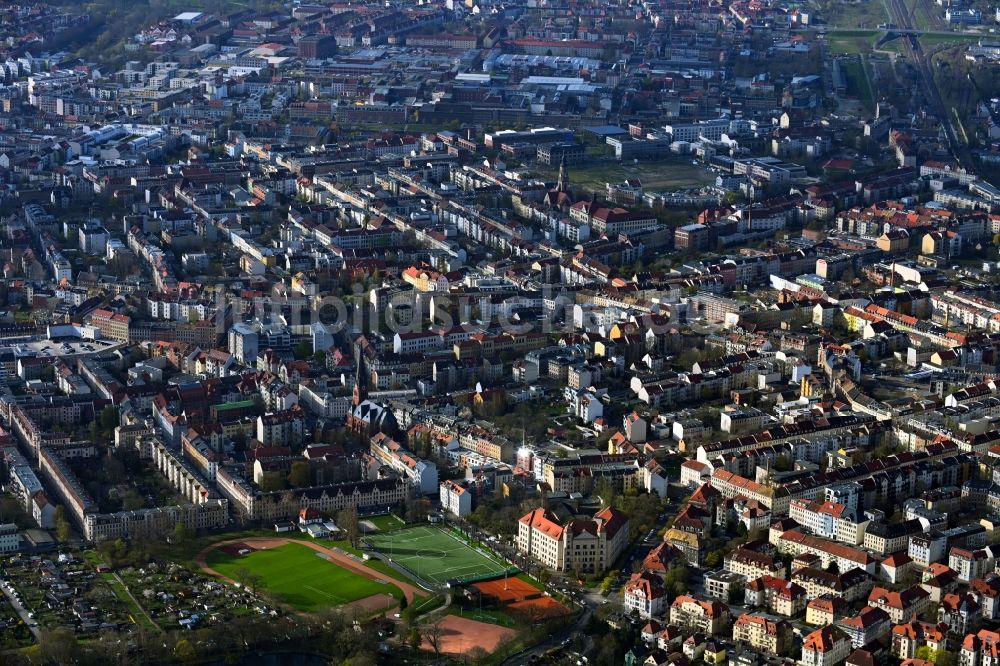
(825, 610)
(902, 605)
(851, 585)
(422, 474)
(709, 617)
(10, 540)
(753, 564)
(883, 539)
(870, 624)
(909, 637)
(972, 564)
(847, 558)
(645, 594)
(777, 595)
(763, 634)
(986, 592)
(284, 428)
(110, 324)
(455, 498)
(980, 649)
(827, 646)
(961, 612)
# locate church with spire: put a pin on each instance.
(360, 377)
(562, 196)
(367, 417)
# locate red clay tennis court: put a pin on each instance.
(459, 635)
(507, 591)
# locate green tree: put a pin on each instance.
(271, 482)
(945, 658)
(303, 350)
(676, 580)
(58, 646)
(64, 531)
(300, 476)
(408, 615)
(133, 501)
(109, 418)
(181, 534)
(609, 580)
(184, 651)
(114, 469)
(714, 559)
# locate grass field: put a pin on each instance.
(862, 14)
(893, 46)
(857, 82)
(434, 555)
(851, 42)
(654, 175)
(928, 41)
(386, 523)
(300, 577)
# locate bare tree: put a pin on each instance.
(476, 655)
(255, 582)
(434, 635)
(347, 520)
(242, 576)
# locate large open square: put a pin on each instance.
(435, 555)
(298, 575)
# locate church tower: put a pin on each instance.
(563, 184)
(360, 377)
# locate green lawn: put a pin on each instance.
(893, 45)
(857, 84)
(655, 176)
(434, 555)
(862, 14)
(387, 522)
(300, 577)
(851, 42)
(928, 41)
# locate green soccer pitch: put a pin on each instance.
(300, 577)
(435, 555)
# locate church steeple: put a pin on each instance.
(360, 376)
(563, 184)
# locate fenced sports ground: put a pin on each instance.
(298, 574)
(436, 555)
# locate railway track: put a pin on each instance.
(914, 52)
